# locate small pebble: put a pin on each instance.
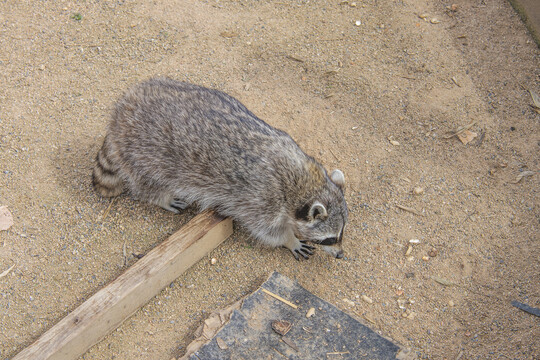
(425, 258)
(213, 261)
(367, 299)
(310, 312)
(435, 21)
(414, 241)
(418, 190)
(409, 251)
(348, 302)
(409, 275)
(450, 303)
(358, 23)
(433, 252)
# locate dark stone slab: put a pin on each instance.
(328, 334)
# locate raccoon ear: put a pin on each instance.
(317, 211)
(338, 178)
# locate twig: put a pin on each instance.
(408, 209)
(338, 353)
(408, 77)
(279, 298)
(279, 353)
(459, 130)
(334, 154)
(108, 209)
(7, 271)
(124, 253)
(468, 216)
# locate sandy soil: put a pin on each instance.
(342, 91)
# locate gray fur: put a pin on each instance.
(174, 144)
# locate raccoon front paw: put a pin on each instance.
(175, 205)
(179, 204)
(301, 249)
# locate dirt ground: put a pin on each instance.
(348, 83)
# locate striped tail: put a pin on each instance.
(105, 177)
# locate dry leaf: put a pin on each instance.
(535, 99)
(6, 219)
(282, 327)
(522, 175)
(221, 343)
(466, 136)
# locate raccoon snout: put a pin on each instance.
(335, 251)
(329, 241)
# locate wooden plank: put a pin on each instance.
(110, 306)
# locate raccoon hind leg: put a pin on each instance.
(105, 177)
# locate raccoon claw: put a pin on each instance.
(305, 251)
(178, 204)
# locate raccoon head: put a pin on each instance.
(322, 220)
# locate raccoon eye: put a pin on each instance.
(329, 241)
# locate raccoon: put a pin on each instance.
(175, 144)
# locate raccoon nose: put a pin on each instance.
(329, 241)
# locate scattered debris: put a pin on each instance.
(450, 303)
(338, 353)
(458, 131)
(76, 16)
(295, 58)
(310, 312)
(282, 327)
(435, 21)
(392, 141)
(221, 343)
(442, 281)
(455, 81)
(279, 298)
(433, 252)
(6, 218)
(529, 309)
(289, 342)
(522, 175)
(418, 190)
(536, 101)
(107, 210)
(466, 136)
(4, 273)
(229, 34)
(408, 209)
(414, 241)
(368, 318)
(409, 314)
(348, 302)
(423, 16)
(367, 299)
(409, 251)
(124, 253)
